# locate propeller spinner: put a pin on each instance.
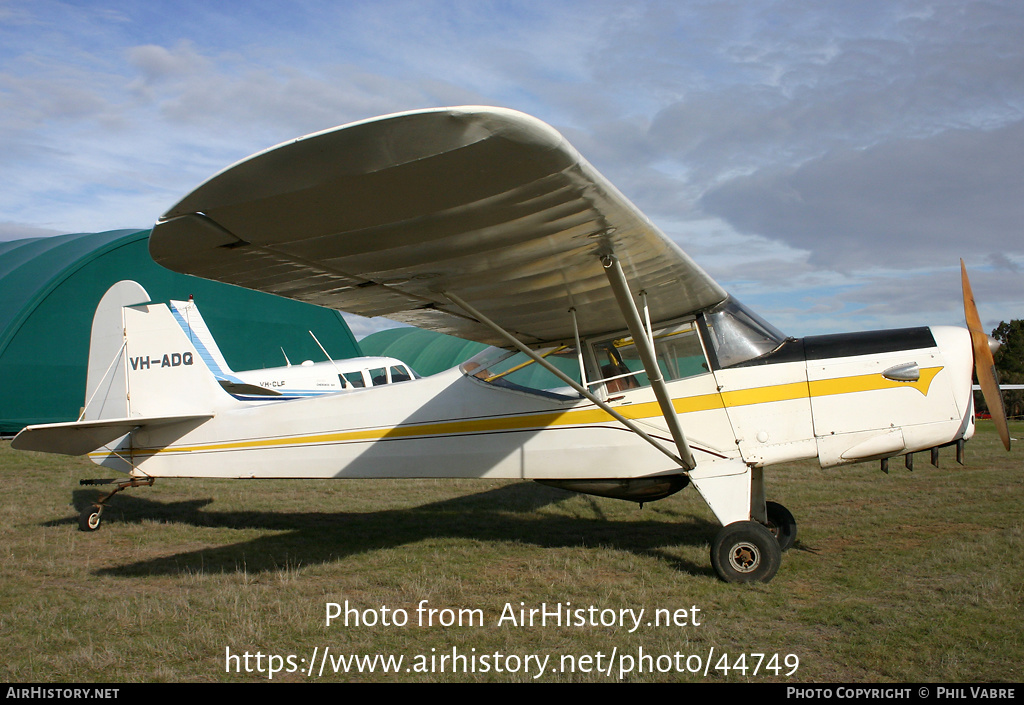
(984, 365)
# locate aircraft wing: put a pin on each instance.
(380, 217)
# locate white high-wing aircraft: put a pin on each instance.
(620, 369)
(292, 381)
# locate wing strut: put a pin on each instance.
(617, 279)
(567, 379)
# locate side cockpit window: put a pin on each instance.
(613, 362)
(515, 370)
(677, 349)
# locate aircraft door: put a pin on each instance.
(770, 411)
(762, 378)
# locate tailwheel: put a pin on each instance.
(745, 552)
(89, 519)
(782, 525)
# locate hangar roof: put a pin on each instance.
(49, 288)
(425, 351)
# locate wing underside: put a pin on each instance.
(381, 218)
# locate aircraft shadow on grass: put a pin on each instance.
(311, 538)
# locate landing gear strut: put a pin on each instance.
(89, 518)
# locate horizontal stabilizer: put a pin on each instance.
(81, 437)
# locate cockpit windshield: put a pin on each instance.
(738, 334)
(515, 370)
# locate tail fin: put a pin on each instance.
(141, 364)
(186, 313)
(143, 371)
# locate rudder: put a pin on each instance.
(106, 385)
(192, 323)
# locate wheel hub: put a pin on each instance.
(744, 557)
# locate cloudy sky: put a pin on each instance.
(827, 162)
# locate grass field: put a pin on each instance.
(910, 576)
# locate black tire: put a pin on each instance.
(89, 519)
(782, 524)
(746, 552)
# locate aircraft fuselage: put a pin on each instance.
(838, 398)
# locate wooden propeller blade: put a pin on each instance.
(984, 365)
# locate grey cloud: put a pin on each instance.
(20, 231)
(936, 297)
(810, 81)
(212, 96)
(999, 261)
(920, 201)
(158, 63)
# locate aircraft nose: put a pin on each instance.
(993, 344)
(958, 355)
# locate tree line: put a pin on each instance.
(1010, 365)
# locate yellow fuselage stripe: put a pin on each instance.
(582, 417)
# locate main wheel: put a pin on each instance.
(89, 519)
(782, 524)
(745, 552)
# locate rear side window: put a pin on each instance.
(355, 379)
(516, 370)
